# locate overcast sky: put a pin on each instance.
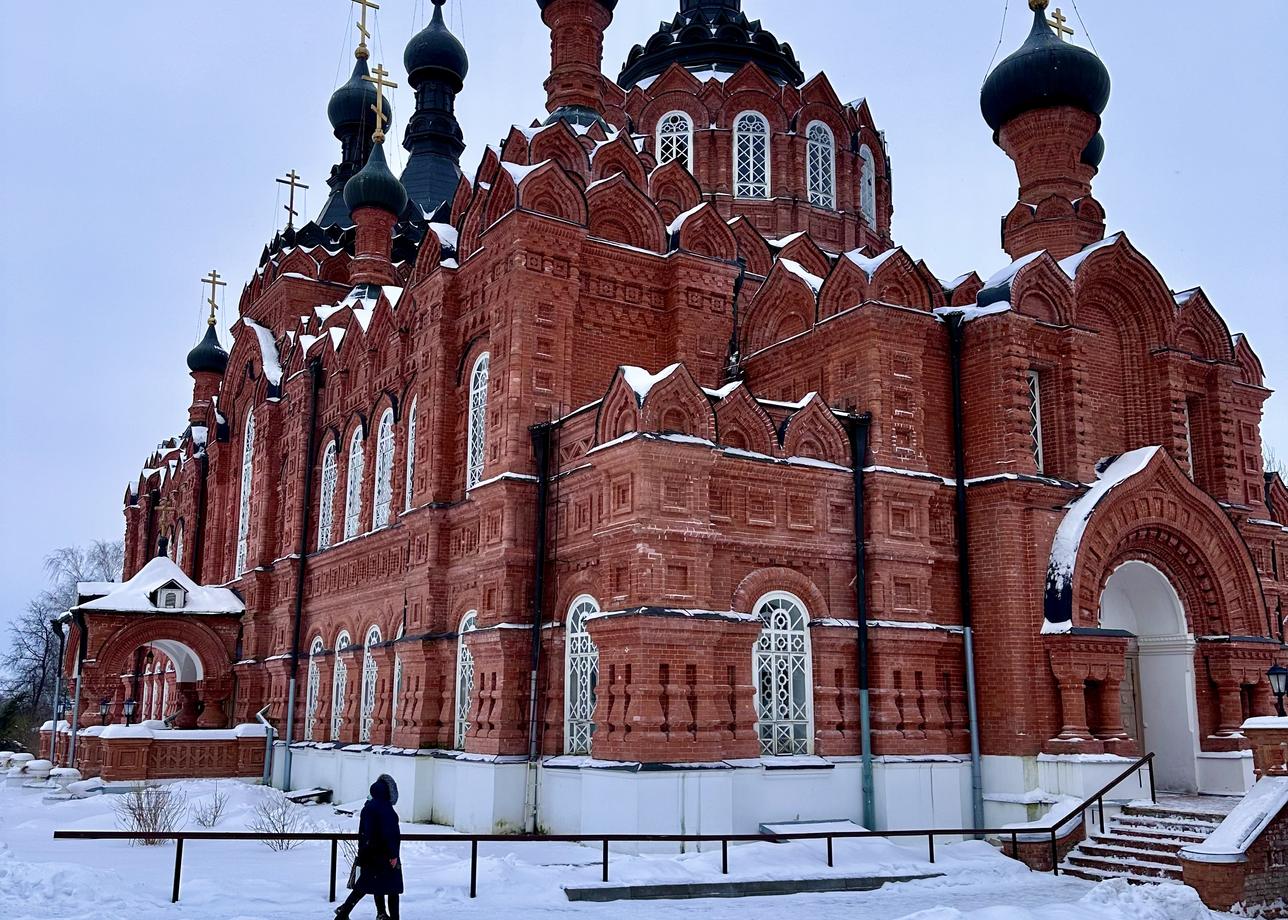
(144, 139)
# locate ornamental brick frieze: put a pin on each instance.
(918, 695)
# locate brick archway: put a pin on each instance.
(1158, 516)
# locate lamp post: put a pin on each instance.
(1278, 675)
(128, 707)
(103, 706)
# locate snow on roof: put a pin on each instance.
(870, 265)
(134, 596)
(337, 336)
(679, 221)
(518, 172)
(446, 233)
(96, 588)
(956, 282)
(785, 241)
(1244, 824)
(814, 281)
(973, 312)
(1068, 537)
(1006, 275)
(722, 392)
(1074, 262)
(641, 381)
(1184, 297)
(268, 351)
(200, 435)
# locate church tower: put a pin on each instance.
(207, 362)
(1044, 104)
(436, 68)
(575, 87)
(375, 198)
(352, 115)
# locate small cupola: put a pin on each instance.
(375, 186)
(436, 54)
(208, 357)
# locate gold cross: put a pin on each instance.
(1057, 22)
(362, 26)
(382, 84)
(215, 284)
(293, 180)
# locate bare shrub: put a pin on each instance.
(277, 815)
(151, 810)
(209, 812)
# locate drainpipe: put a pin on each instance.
(306, 522)
(82, 646)
(57, 628)
(956, 332)
(269, 734)
(541, 449)
(858, 428)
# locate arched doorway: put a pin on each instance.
(1158, 693)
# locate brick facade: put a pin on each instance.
(678, 509)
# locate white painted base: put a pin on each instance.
(581, 796)
(1225, 772)
(1018, 789)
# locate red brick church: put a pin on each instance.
(635, 479)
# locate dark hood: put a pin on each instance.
(384, 789)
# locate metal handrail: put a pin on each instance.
(605, 839)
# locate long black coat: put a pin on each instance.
(378, 842)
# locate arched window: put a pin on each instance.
(410, 485)
(464, 678)
(476, 442)
(675, 139)
(370, 675)
(868, 187)
(581, 675)
(353, 487)
(326, 512)
(165, 691)
(784, 691)
(314, 691)
(247, 477)
(821, 165)
(395, 698)
(339, 686)
(751, 156)
(178, 544)
(384, 470)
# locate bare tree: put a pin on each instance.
(276, 815)
(150, 810)
(1275, 463)
(28, 665)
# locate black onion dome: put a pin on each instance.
(209, 356)
(352, 103)
(375, 186)
(436, 53)
(711, 34)
(1094, 154)
(1044, 72)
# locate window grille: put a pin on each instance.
(581, 676)
(821, 166)
(464, 679)
(247, 478)
(476, 445)
(784, 697)
(675, 139)
(751, 153)
(384, 471)
(1035, 419)
(353, 488)
(326, 513)
(370, 675)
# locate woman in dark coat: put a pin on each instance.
(379, 865)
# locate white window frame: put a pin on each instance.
(820, 165)
(581, 676)
(313, 693)
(353, 486)
(1189, 436)
(1034, 379)
(410, 485)
(247, 483)
(868, 186)
(675, 139)
(476, 433)
(396, 695)
(784, 723)
(743, 159)
(326, 509)
(177, 545)
(383, 489)
(370, 678)
(339, 685)
(464, 680)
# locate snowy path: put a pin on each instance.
(109, 880)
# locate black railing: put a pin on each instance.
(1096, 799)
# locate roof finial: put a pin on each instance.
(1057, 22)
(1034, 5)
(362, 53)
(215, 284)
(293, 180)
(379, 108)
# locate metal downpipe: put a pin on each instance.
(859, 428)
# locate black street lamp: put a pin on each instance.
(103, 706)
(128, 707)
(1278, 675)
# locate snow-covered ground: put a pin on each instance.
(109, 880)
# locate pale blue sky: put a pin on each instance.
(144, 139)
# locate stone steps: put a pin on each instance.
(1141, 844)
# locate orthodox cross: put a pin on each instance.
(362, 26)
(1057, 22)
(293, 180)
(382, 84)
(215, 284)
